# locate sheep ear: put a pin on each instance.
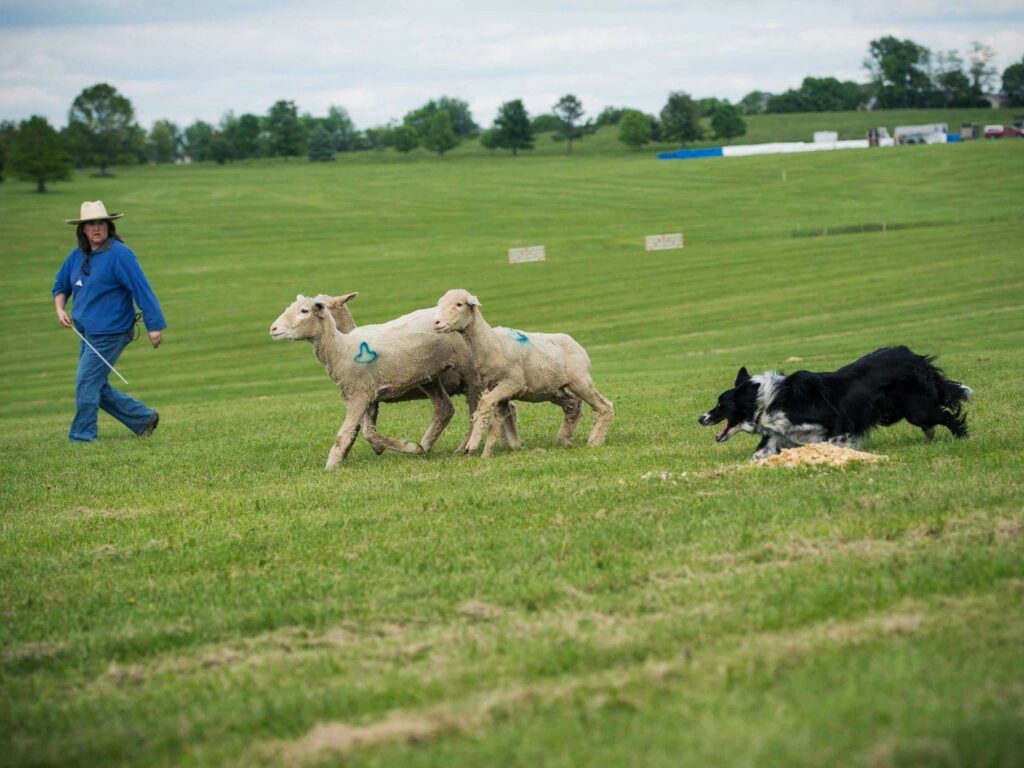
(742, 376)
(319, 306)
(339, 300)
(473, 301)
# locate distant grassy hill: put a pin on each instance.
(760, 129)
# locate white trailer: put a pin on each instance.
(932, 133)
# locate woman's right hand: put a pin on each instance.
(63, 318)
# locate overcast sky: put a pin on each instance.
(196, 59)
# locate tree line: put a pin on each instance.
(102, 130)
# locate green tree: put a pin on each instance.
(285, 129)
(343, 130)
(199, 141)
(164, 143)
(489, 139)
(545, 123)
(101, 128)
(569, 111)
(220, 148)
(440, 136)
(461, 119)
(227, 136)
(7, 131)
(951, 82)
(983, 74)
(754, 103)
(634, 128)
(727, 122)
(898, 71)
(37, 154)
(709, 105)
(404, 139)
(680, 119)
(610, 116)
(791, 100)
(818, 94)
(246, 136)
(321, 145)
(1013, 84)
(512, 127)
(379, 136)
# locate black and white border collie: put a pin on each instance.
(841, 407)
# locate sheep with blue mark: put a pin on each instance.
(462, 379)
(517, 365)
(371, 364)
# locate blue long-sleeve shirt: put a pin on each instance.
(102, 300)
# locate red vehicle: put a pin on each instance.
(1002, 131)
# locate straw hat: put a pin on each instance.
(94, 211)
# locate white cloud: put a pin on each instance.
(193, 59)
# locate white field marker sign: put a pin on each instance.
(663, 242)
(520, 255)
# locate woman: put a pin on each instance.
(103, 278)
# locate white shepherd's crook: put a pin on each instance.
(101, 357)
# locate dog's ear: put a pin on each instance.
(742, 376)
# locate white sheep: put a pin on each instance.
(513, 365)
(461, 379)
(371, 364)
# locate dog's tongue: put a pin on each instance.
(721, 435)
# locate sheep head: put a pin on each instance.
(456, 310)
(303, 319)
(339, 311)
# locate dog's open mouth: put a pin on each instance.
(722, 436)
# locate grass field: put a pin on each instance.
(210, 596)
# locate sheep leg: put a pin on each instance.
(354, 411)
(473, 391)
(604, 411)
(510, 425)
(381, 442)
(485, 411)
(443, 412)
(465, 439)
(370, 427)
(573, 409)
(495, 429)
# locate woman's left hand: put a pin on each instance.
(156, 338)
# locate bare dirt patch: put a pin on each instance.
(341, 739)
(477, 610)
(108, 513)
(820, 454)
(31, 653)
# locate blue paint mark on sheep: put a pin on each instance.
(365, 355)
(518, 336)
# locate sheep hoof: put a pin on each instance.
(414, 448)
(333, 458)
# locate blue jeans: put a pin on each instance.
(92, 391)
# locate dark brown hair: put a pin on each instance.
(83, 241)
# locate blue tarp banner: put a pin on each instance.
(689, 154)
